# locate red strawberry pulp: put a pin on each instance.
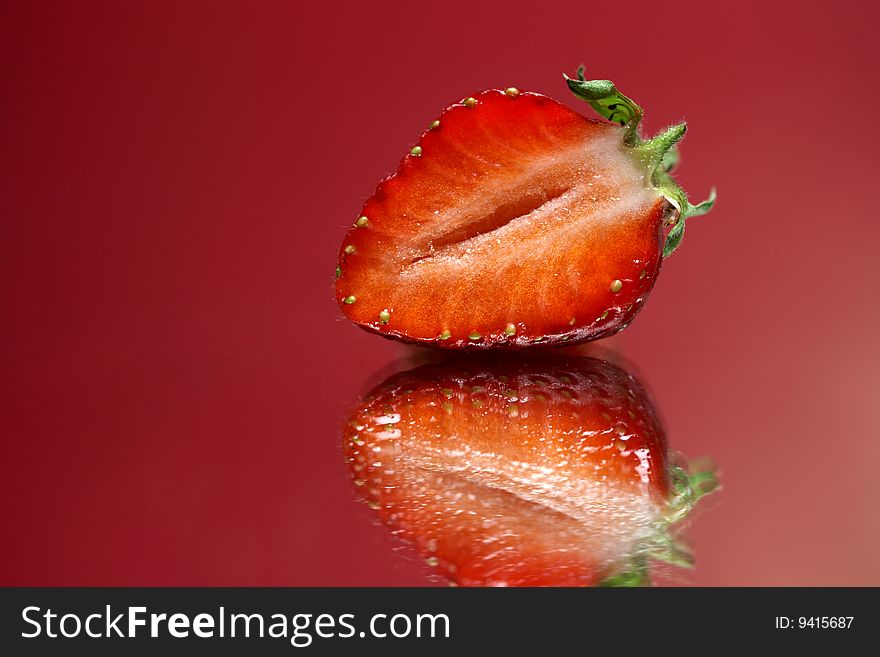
(547, 471)
(514, 221)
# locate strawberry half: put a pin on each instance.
(544, 472)
(517, 221)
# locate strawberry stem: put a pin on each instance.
(659, 153)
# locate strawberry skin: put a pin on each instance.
(543, 472)
(514, 221)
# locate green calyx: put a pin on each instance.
(686, 489)
(634, 576)
(659, 154)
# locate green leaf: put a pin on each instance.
(656, 148)
(676, 196)
(636, 574)
(673, 239)
(704, 207)
(670, 159)
(687, 489)
(608, 102)
(666, 548)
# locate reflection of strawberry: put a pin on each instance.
(516, 221)
(542, 472)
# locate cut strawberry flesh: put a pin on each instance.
(545, 472)
(520, 221)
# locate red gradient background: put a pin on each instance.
(175, 179)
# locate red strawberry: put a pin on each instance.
(550, 471)
(516, 221)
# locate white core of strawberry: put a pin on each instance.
(574, 193)
(520, 511)
(660, 151)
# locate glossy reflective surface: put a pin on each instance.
(547, 469)
(175, 185)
